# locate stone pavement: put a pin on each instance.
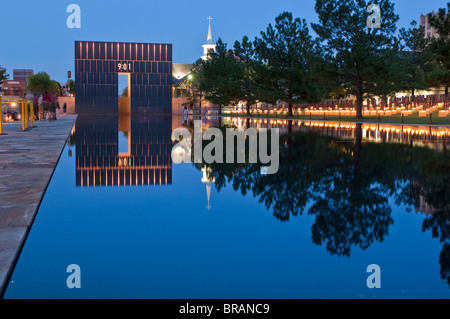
(27, 161)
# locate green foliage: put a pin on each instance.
(3, 75)
(125, 92)
(389, 73)
(364, 58)
(221, 77)
(195, 93)
(71, 87)
(415, 55)
(347, 58)
(441, 22)
(440, 48)
(291, 58)
(250, 88)
(437, 75)
(41, 82)
(55, 87)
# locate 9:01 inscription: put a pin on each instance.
(124, 66)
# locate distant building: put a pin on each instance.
(180, 71)
(181, 74)
(17, 86)
(430, 32)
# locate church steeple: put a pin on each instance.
(209, 42)
(209, 39)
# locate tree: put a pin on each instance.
(40, 83)
(392, 73)
(71, 86)
(3, 75)
(440, 49)
(291, 57)
(195, 93)
(55, 87)
(415, 55)
(125, 92)
(249, 83)
(220, 77)
(358, 52)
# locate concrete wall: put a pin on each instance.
(70, 102)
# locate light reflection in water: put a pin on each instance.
(345, 191)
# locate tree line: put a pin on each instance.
(287, 63)
(39, 82)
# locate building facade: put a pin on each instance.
(18, 85)
(430, 32)
(97, 69)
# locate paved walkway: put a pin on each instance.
(27, 161)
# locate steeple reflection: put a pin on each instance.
(207, 180)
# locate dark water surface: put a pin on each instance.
(345, 196)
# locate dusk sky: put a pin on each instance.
(35, 35)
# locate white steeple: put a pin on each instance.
(208, 183)
(209, 42)
(209, 39)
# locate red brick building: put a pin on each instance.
(18, 85)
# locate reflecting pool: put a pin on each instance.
(139, 226)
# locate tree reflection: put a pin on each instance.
(435, 181)
(351, 209)
(346, 185)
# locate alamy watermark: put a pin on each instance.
(213, 152)
(74, 279)
(374, 280)
(74, 19)
(374, 20)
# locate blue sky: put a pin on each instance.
(35, 34)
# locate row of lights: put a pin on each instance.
(350, 111)
(441, 131)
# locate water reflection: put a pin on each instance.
(347, 176)
(435, 189)
(123, 151)
(432, 136)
